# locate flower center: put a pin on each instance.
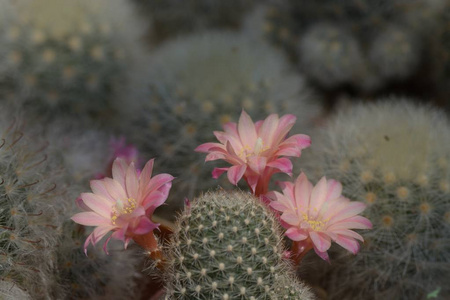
(313, 224)
(257, 149)
(122, 208)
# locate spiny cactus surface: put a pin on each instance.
(66, 57)
(227, 246)
(395, 157)
(32, 205)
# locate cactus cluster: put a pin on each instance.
(227, 246)
(67, 57)
(32, 205)
(395, 157)
(376, 32)
(198, 83)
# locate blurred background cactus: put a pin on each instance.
(395, 157)
(227, 246)
(199, 82)
(391, 41)
(171, 18)
(32, 208)
(67, 57)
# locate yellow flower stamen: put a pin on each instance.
(122, 208)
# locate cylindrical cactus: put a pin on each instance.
(395, 157)
(289, 287)
(198, 83)
(67, 57)
(227, 245)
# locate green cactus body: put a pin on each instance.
(63, 56)
(227, 246)
(395, 157)
(31, 209)
(289, 287)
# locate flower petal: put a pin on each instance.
(98, 187)
(90, 219)
(296, 234)
(144, 226)
(218, 171)
(115, 190)
(282, 164)
(247, 131)
(321, 241)
(318, 197)
(348, 243)
(119, 170)
(268, 129)
(132, 183)
(235, 173)
(146, 174)
(290, 218)
(302, 190)
(98, 204)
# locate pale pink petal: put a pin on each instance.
(290, 218)
(318, 197)
(285, 124)
(218, 171)
(322, 255)
(80, 204)
(87, 242)
(90, 219)
(303, 189)
(146, 174)
(235, 173)
(206, 147)
(300, 141)
(105, 245)
(349, 234)
(288, 150)
(215, 156)
(157, 182)
(296, 234)
(230, 128)
(132, 183)
(252, 181)
(120, 233)
(154, 199)
(348, 243)
(356, 222)
(257, 164)
(268, 129)
(247, 130)
(99, 188)
(119, 170)
(100, 232)
(115, 190)
(282, 164)
(352, 209)
(144, 226)
(334, 190)
(98, 204)
(321, 241)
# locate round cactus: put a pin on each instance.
(32, 205)
(330, 55)
(227, 246)
(395, 157)
(289, 287)
(66, 56)
(395, 53)
(200, 82)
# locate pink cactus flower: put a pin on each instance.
(124, 204)
(315, 216)
(255, 149)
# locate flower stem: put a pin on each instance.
(300, 249)
(150, 244)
